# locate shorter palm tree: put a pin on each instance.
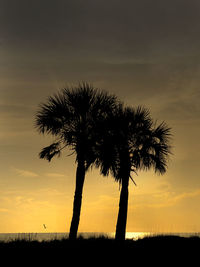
(74, 117)
(132, 143)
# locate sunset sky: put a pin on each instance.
(145, 52)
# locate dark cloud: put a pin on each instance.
(120, 28)
(148, 30)
(148, 48)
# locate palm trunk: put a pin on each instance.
(80, 177)
(123, 210)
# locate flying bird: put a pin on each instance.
(44, 226)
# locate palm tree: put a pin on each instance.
(132, 143)
(74, 117)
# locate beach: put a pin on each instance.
(100, 250)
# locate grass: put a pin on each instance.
(103, 250)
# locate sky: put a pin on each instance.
(145, 52)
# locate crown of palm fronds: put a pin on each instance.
(74, 116)
(132, 140)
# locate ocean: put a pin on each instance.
(52, 236)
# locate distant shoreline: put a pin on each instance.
(48, 236)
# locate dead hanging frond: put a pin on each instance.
(133, 180)
(71, 153)
(133, 170)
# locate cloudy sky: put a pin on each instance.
(147, 53)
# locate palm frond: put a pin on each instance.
(154, 149)
(50, 151)
(53, 115)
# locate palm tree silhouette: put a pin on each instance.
(74, 116)
(132, 142)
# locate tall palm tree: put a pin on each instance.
(132, 143)
(74, 116)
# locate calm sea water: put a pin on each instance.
(53, 236)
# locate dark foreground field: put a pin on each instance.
(157, 250)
